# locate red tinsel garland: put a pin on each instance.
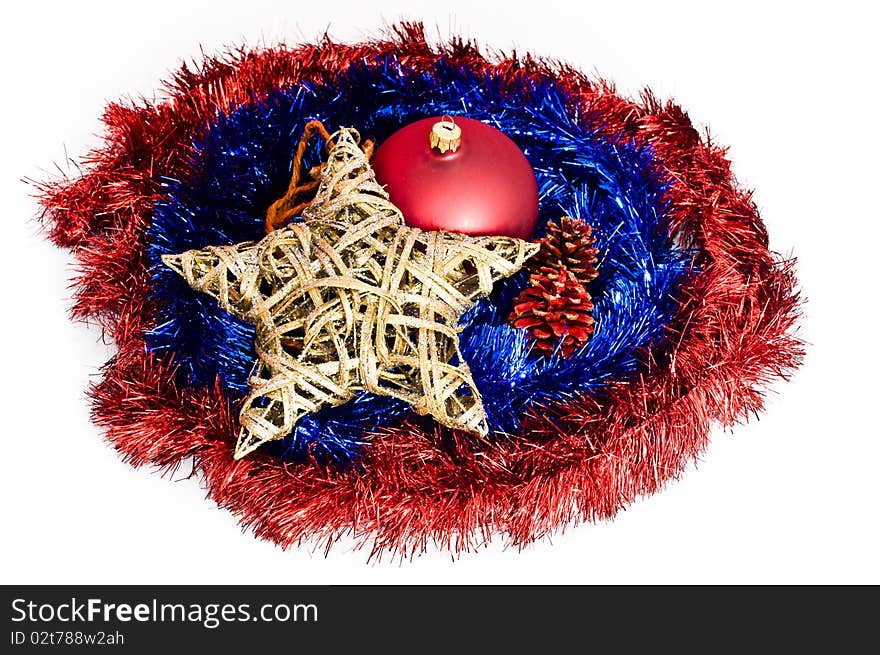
(416, 484)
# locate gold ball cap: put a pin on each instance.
(445, 135)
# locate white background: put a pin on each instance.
(790, 498)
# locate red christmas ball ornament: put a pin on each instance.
(459, 175)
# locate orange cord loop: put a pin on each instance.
(299, 194)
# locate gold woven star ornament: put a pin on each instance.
(352, 300)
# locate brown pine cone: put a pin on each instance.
(569, 244)
(555, 309)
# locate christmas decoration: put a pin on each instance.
(569, 244)
(351, 300)
(694, 316)
(555, 309)
(460, 174)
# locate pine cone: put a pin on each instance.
(568, 244)
(555, 309)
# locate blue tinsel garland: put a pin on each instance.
(242, 164)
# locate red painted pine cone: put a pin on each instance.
(555, 309)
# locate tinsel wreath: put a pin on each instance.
(693, 315)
